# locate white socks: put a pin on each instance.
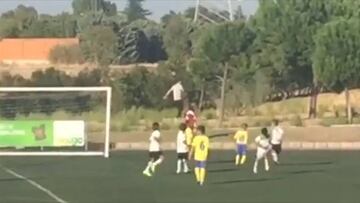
(275, 156)
(186, 168)
(266, 162)
(148, 166)
(182, 162)
(267, 167)
(178, 168)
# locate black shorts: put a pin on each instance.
(182, 155)
(155, 155)
(277, 148)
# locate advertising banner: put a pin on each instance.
(42, 133)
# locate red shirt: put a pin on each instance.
(190, 117)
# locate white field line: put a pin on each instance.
(35, 184)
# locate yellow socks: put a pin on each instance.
(237, 160)
(202, 176)
(243, 159)
(197, 174)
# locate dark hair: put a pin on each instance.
(201, 128)
(244, 126)
(155, 126)
(264, 131)
(276, 122)
(182, 126)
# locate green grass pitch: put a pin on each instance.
(322, 176)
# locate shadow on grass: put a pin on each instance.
(10, 179)
(307, 163)
(222, 170)
(301, 172)
(246, 181)
(221, 161)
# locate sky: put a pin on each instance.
(157, 7)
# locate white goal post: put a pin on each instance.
(106, 148)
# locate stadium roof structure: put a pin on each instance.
(215, 11)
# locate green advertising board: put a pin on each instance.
(41, 133)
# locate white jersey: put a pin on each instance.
(181, 146)
(263, 143)
(154, 141)
(277, 135)
(177, 90)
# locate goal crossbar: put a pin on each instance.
(89, 153)
(106, 89)
(54, 89)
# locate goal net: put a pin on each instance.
(55, 121)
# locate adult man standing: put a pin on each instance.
(276, 140)
(177, 90)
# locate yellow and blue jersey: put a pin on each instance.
(201, 145)
(241, 137)
(189, 136)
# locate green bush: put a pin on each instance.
(259, 122)
(209, 114)
(125, 125)
(339, 110)
(66, 54)
(296, 121)
(293, 106)
(322, 109)
(333, 121)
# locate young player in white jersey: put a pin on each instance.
(155, 153)
(263, 148)
(276, 140)
(182, 150)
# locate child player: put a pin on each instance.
(200, 149)
(189, 133)
(241, 139)
(263, 148)
(276, 140)
(155, 153)
(182, 150)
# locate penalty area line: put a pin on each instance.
(35, 184)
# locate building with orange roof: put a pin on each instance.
(30, 50)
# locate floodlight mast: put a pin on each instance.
(213, 8)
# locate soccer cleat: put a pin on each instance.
(147, 173)
(255, 171)
(178, 172)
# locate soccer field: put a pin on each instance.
(326, 176)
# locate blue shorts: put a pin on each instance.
(200, 164)
(241, 149)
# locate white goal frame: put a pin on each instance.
(106, 89)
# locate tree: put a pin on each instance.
(98, 44)
(166, 18)
(336, 57)
(285, 30)
(177, 40)
(82, 7)
(140, 41)
(8, 28)
(220, 44)
(62, 25)
(135, 11)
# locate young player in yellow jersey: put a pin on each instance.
(189, 133)
(241, 139)
(200, 149)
